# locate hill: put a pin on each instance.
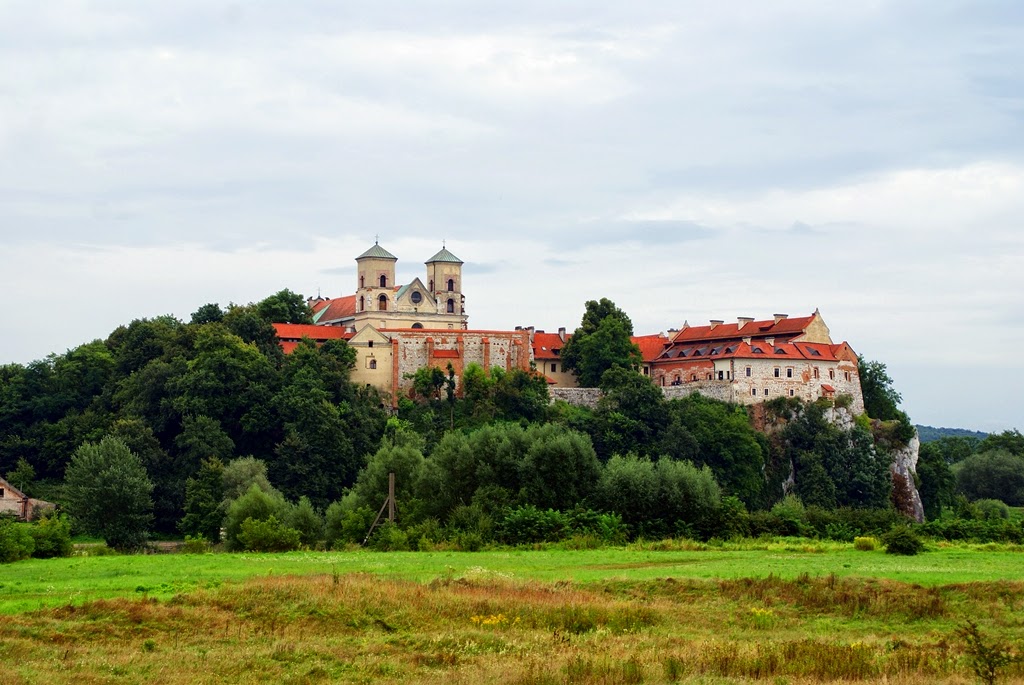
(930, 433)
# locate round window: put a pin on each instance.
(416, 297)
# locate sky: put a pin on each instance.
(687, 160)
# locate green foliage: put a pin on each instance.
(204, 501)
(936, 482)
(108, 493)
(1011, 441)
(307, 521)
(256, 505)
(388, 537)
(267, 535)
(865, 544)
(196, 544)
(988, 656)
(902, 540)
(345, 525)
(285, 307)
(881, 401)
(529, 524)
(52, 537)
(241, 474)
(992, 475)
(15, 540)
(560, 468)
(22, 476)
(601, 342)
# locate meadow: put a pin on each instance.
(787, 611)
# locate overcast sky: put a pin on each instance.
(688, 160)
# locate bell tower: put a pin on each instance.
(375, 280)
(444, 280)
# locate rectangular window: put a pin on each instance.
(647, 371)
(748, 372)
(721, 375)
(753, 391)
(831, 374)
(789, 373)
(554, 368)
(766, 392)
(1, 493)
(815, 373)
(847, 375)
(369, 344)
(778, 372)
(791, 393)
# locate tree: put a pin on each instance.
(285, 307)
(992, 475)
(881, 401)
(109, 493)
(208, 313)
(1009, 441)
(204, 501)
(601, 342)
(937, 483)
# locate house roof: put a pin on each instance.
(377, 252)
(755, 349)
(444, 256)
(651, 346)
(790, 327)
(337, 309)
(290, 334)
(547, 345)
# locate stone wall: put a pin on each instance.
(578, 397)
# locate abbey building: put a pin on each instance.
(397, 329)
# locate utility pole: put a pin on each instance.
(389, 505)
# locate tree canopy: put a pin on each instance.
(601, 342)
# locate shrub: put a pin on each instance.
(196, 544)
(268, 535)
(345, 525)
(255, 504)
(52, 537)
(15, 541)
(389, 538)
(865, 544)
(902, 540)
(528, 524)
(992, 509)
(307, 521)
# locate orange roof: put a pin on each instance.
(790, 327)
(547, 345)
(651, 346)
(756, 349)
(290, 334)
(446, 354)
(334, 310)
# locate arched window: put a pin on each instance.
(362, 281)
(383, 281)
(431, 285)
(362, 303)
(451, 306)
(451, 284)
(417, 325)
(382, 302)
(373, 363)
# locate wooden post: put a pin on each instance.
(391, 497)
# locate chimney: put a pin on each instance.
(539, 330)
(770, 341)
(780, 317)
(743, 321)
(519, 328)
(561, 333)
(716, 322)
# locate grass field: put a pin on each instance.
(790, 612)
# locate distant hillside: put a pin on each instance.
(929, 433)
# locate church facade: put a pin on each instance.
(397, 329)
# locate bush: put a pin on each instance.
(389, 538)
(268, 535)
(992, 509)
(196, 544)
(865, 544)
(15, 541)
(52, 537)
(307, 521)
(255, 504)
(347, 526)
(528, 524)
(902, 540)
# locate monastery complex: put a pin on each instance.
(398, 329)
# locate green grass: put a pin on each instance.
(35, 584)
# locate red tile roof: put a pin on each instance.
(334, 310)
(547, 345)
(291, 333)
(446, 354)
(756, 349)
(789, 327)
(651, 346)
